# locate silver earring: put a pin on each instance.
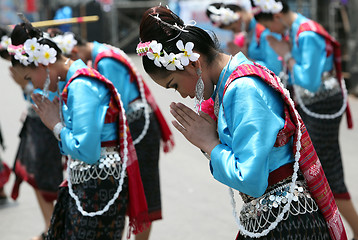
(199, 91)
(46, 85)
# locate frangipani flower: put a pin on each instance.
(35, 58)
(5, 41)
(269, 6)
(187, 54)
(31, 46)
(170, 62)
(156, 51)
(21, 58)
(47, 55)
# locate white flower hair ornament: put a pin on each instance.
(171, 61)
(65, 42)
(5, 42)
(33, 52)
(222, 16)
(267, 6)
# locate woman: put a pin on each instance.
(103, 175)
(145, 120)
(260, 147)
(4, 169)
(38, 159)
(250, 36)
(313, 61)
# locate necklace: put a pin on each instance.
(216, 102)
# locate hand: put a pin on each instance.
(18, 78)
(200, 129)
(280, 47)
(47, 110)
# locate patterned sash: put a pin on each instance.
(309, 163)
(137, 206)
(332, 46)
(259, 28)
(167, 136)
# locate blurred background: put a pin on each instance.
(119, 21)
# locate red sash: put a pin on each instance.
(259, 30)
(167, 136)
(137, 206)
(332, 46)
(309, 163)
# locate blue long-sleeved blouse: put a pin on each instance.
(262, 52)
(117, 73)
(251, 114)
(309, 51)
(84, 115)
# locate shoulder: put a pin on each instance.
(88, 85)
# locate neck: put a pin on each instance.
(219, 64)
(289, 18)
(62, 66)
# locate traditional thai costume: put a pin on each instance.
(103, 175)
(259, 49)
(285, 192)
(321, 98)
(38, 160)
(145, 120)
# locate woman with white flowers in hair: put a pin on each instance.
(103, 180)
(250, 36)
(38, 159)
(146, 122)
(258, 146)
(313, 60)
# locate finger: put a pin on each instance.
(179, 127)
(206, 116)
(186, 110)
(37, 100)
(35, 108)
(55, 101)
(180, 117)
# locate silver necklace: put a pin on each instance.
(216, 102)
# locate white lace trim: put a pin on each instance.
(142, 95)
(256, 214)
(286, 208)
(121, 180)
(318, 115)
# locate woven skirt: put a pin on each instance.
(68, 223)
(325, 138)
(38, 159)
(148, 150)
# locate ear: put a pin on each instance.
(74, 50)
(195, 65)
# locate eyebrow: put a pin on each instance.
(168, 83)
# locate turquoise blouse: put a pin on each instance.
(117, 73)
(262, 53)
(84, 116)
(309, 51)
(250, 117)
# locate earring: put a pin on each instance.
(199, 91)
(46, 85)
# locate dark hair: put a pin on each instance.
(3, 52)
(269, 16)
(164, 32)
(25, 31)
(233, 7)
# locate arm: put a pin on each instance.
(87, 102)
(253, 116)
(118, 74)
(307, 72)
